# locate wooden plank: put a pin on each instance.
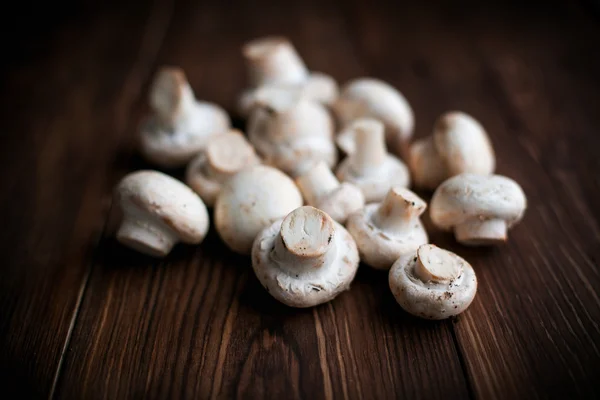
(59, 106)
(198, 324)
(535, 333)
(531, 77)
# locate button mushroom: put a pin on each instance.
(322, 190)
(433, 283)
(458, 144)
(273, 61)
(223, 157)
(180, 125)
(479, 208)
(371, 167)
(290, 132)
(305, 259)
(251, 200)
(372, 98)
(159, 211)
(388, 230)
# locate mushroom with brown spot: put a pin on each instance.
(479, 208)
(388, 230)
(273, 61)
(290, 132)
(250, 201)
(159, 211)
(433, 283)
(371, 167)
(180, 125)
(305, 259)
(373, 98)
(458, 144)
(322, 190)
(223, 157)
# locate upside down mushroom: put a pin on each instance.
(388, 230)
(180, 125)
(273, 61)
(305, 259)
(371, 167)
(433, 283)
(322, 190)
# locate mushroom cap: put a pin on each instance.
(223, 156)
(468, 196)
(368, 97)
(375, 185)
(317, 285)
(427, 168)
(463, 145)
(171, 148)
(440, 297)
(251, 200)
(378, 248)
(342, 202)
(157, 196)
(292, 133)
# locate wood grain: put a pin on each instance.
(84, 317)
(59, 109)
(200, 325)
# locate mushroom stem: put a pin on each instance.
(475, 231)
(398, 210)
(273, 60)
(148, 237)
(306, 241)
(317, 182)
(370, 146)
(437, 265)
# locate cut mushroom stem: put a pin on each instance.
(317, 182)
(399, 210)
(305, 242)
(476, 231)
(437, 265)
(273, 60)
(145, 236)
(228, 154)
(370, 146)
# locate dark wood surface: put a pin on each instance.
(82, 317)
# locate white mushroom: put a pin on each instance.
(372, 98)
(250, 201)
(159, 211)
(305, 259)
(388, 230)
(371, 167)
(433, 283)
(479, 208)
(273, 61)
(180, 125)
(223, 157)
(321, 189)
(458, 144)
(290, 132)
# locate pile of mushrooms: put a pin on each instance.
(279, 195)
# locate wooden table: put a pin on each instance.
(83, 317)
